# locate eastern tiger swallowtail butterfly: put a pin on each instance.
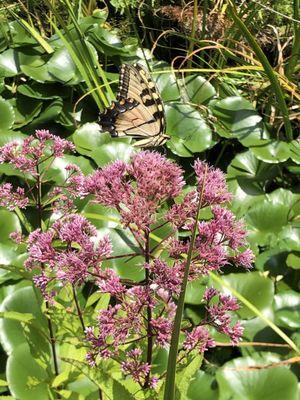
(138, 110)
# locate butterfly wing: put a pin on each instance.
(138, 111)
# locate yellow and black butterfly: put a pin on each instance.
(138, 110)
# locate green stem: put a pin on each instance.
(79, 313)
(193, 33)
(149, 313)
(295, 53)
(49, 322)
(267, 67)
(169, 393)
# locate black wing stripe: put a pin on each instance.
(138, 111)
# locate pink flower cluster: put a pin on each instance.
(12, 198)
(69, 251)
(140, 314)
(27, 155)
(137, 190)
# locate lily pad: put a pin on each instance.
(9, 63)
(238, 381)
(186, 127)
(7, 115)
(199, 90)
(271, 151)
(236, 118)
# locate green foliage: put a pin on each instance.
(216, 118)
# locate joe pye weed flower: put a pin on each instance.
(147, 193)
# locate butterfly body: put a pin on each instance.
(138, 110)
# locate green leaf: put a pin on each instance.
(202, 387)
(293, 261)
(57, 171)
(295, 150)
(26, 379)
(127, 267)
(89, 137)
(271, 215)
(25, 110)
(166, 82)
(236, 118)
(62, 67)
(34, 65)
(9, 63)
(101, 216)
(256, 288)
(116, 149)
(188, 131)
(16, 316)
(199, 90)
(194, 292)
(48, 114)
(23, 300)
(9, 223)
(271, 151)
(237, 381)
(43, 91)
(184, 377)
(61, 378)
(287, 309)
(7, 115)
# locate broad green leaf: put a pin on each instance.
(202, 387)
(293, 260)
(12, 334)
(43, 91)
(20, 35)
(116, 149)
(199, 90)
(57, 171)
(9, 136)
(187, 128)
(9, 63)
(273, 260)
(101, 216)
(289, 237)
(246, 165)
(271, 151)
(48, 114)
(26, 379)
(255, 287)
(184, 377)
(63, 68)
(7, 115)
(9, 223)
(271, 215)
(17, 316)
(123, 243)
(165, 81)
(39, 73)
(295, 150)
(194, 292)
(236, 118)
(254, 326)
(25, 110)
(287, 309)
(89, 137)
(237, 381)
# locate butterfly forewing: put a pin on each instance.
(138, 111)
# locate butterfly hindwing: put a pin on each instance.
(138, 111)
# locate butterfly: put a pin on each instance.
(138, 110)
